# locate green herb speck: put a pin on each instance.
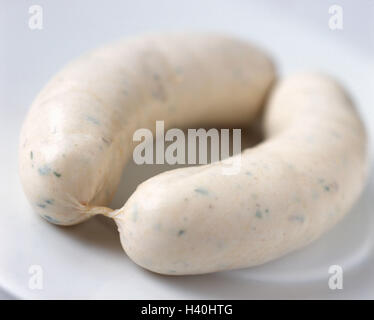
(93, 120)
(202, 191)
(258, 214)
(45, 170)
(58, 175)
(50, 219)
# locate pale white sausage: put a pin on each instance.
(290, 189)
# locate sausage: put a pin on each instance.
(77, 136)
(291, 188)
(295, 185)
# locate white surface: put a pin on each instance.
(87, 261)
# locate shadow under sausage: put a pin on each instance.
(99, 231)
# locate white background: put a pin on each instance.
(87, 261)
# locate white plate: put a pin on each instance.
(87, 261)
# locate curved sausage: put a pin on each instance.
(77, 136)
(290, 189)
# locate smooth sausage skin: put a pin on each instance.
(291, 188)
(78, 134)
